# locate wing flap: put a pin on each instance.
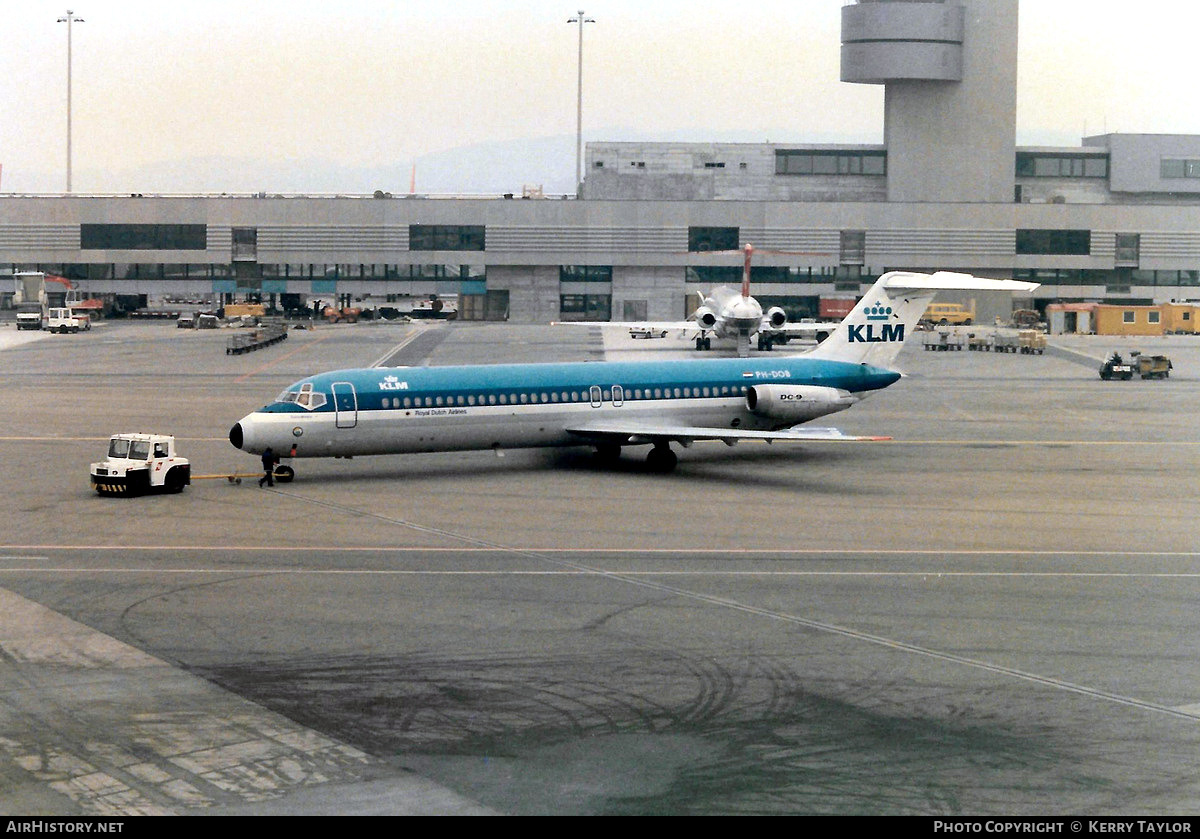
(634, 433)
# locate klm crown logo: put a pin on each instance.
(879, 312)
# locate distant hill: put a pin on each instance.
(481, 169)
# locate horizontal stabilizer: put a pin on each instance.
(951, 281)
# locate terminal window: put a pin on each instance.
(713, 239)
(1060, 242)
(1181, 167)
(143, 237)
(796, 162)
(1038, 165)
(446, 237)
(585, 273)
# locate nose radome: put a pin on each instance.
(235, 435)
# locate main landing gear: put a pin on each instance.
(660, 458)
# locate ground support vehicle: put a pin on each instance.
(979, 343)
(346, 314)
(265, 336)
(1031, 341)
(1154, 366)
(63, 320)
(138, 464)
(949, 314)
(29, 298)
(1116, 367)
(1006, 343)
(29, 316)
(944, 340)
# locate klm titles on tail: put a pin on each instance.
(888, 332)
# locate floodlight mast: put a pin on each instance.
(581, 19)
(69, 18)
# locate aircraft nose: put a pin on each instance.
(235, 435)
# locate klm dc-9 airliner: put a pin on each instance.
(608, 404)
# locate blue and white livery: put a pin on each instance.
(607, 405)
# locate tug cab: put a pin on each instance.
(138, 464)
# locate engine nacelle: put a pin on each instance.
(706, 317)
(790, 404)
(776, 316)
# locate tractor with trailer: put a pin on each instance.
(1146, 366)
(1116, 367)
(138, 464)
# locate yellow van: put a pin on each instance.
(944, 314)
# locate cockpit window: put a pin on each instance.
(305, 397)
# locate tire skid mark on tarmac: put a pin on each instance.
(770, 614)
(416, 348)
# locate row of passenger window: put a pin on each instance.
(616, 393)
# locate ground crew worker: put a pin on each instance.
(268, 462)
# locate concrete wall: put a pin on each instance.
(956, 141)
(1135, 162)
(715, 172)
(533, 291)
(662, 288)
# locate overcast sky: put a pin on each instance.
(367, 83)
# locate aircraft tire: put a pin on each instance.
(285, 474)
(661, 459)
(176, 480)
(608, 452)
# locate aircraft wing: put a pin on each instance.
(633, 433)
(800, 330)
(635, 326)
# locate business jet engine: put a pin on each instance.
(776, 317)
(790, 404)
(706, 317)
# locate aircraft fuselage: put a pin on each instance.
(428, 409)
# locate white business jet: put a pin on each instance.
(726, 312)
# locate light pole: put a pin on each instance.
(581, 20)
(68, 19)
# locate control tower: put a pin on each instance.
(949, 71)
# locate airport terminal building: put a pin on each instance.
(1116, 219)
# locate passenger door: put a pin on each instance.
(345, 405)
